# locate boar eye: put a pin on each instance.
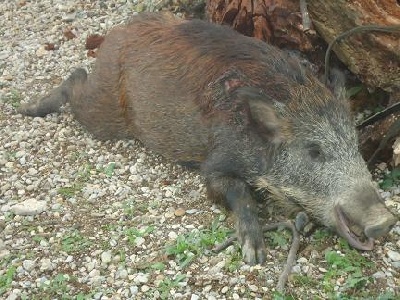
(315, 151)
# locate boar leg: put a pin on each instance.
(56, 98)
(237, 196)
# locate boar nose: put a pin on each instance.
(381, 228)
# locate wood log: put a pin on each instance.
(278, 22)
(373, 56)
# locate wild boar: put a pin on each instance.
(243, 111)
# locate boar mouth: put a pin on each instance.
(358, 241)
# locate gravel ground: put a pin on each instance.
(83, 219)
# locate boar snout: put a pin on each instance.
(361, 225)
(382, 228)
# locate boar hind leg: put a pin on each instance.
(236, 195)
(57, 97)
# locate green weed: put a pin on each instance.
(133, 233)
(278, 238)
(109, 170)
(189, 246)
(348, 265)
(167, 284)
(74, 242)
(6, 279)
(82, 177)
(14, 98)
(390, 179)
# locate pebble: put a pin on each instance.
(172, 235)
(29, 207)
(106, 257)
(2, 244)
(179, 212)
(14, 295)
(393, 255)
(142, 278)
(4, 253)
(145, 288)
(28, 265)
(253, 288)
(379, 275)
(45, 264)
(194, 297)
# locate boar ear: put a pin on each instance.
(263, 114)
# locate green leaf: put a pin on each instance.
(351, 92)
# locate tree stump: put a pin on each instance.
(278, 22)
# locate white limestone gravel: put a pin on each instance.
(84, 219)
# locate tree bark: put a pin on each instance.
(373, 56)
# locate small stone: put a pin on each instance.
(134, 290)
(2, 244)
(172, 235)
(32, 171)
(41, 51)
(323, 270)
(45, 264)
(396, 264)
(194, 297)
(140, 241)
(145, 288)
(168, 194)
(94, 273)
(393, 255)
(169, 214)
(14, 295)
(296, 269)
(253, 287)
(179, 212)
(28, 264)
(106, 257)
(379, 275)
(305, 268)
(90, 266)
(302, 260)
(142, 278)
(29, 207)
(382, 166)
(123, 274)
(224, 290)
(8, 77)
(4, 253)
(69, 17)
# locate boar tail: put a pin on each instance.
(57, 97)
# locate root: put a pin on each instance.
(294, 248)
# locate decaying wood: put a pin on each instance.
(376, 140)
(279, 22)
(373, 56)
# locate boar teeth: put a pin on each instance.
(343, 228)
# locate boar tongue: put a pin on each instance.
(343, 228)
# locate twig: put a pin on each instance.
(222, 246)
(280, 287)
(305, 16)
(292, 252)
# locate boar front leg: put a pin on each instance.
(236, 195)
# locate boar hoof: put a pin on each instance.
(252, 244)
